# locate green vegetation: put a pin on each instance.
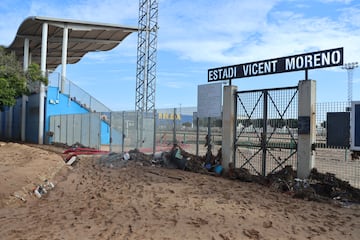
(14, 81)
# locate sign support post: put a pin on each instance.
(228, 126)
(306, 128)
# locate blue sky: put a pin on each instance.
(195, 35)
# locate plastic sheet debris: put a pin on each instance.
(72, 160)
(126, 156)
(39, 191)
(43, 189)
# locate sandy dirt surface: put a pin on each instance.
(94, 201)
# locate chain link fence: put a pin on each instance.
(159, 131)
(181, 126)
(334, 158)
(266, 130)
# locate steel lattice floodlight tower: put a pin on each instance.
(146, 56)
(350, 70)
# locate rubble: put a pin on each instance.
(318, 187)
(328, 185)
(119, 160)
(43, 189)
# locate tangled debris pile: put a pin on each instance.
(119, 160)
(318, 187)
(329, 186)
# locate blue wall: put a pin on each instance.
(105, 133)
(32, 119)
(55, 104)
(16, 123)
(60, 104)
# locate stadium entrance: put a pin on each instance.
(265, 130)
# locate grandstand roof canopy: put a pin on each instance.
(83, 37)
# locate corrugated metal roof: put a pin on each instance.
(83, 37)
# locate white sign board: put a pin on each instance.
(209, 100)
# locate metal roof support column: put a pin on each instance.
(64, 57)
(44, 38)
(26, 54)
(24, 97)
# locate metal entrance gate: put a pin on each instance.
(266, 129)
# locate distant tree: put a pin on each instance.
(13, 80)
(33, 74)
(187, 124)
(276, 123)
(292, 123)
(258, 123)
(245, 122)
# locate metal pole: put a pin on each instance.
(350, 71)
(64, 57)
(208, 153)
(24, 97)
(264, 134)
(110, 140)
(234, 131)
(44, 38)
(154, 137)
(174, 127)
(123, 132)
(197, 137)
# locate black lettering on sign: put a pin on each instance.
(222, 73)
(320, 59)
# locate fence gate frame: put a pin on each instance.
(264, 145)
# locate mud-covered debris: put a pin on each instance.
(287, 174)
(328, 185)
(140, 157)
(113, 160)
(195, 165)
(318, 187)
(244, 175)
(119, 160)
(241, 174)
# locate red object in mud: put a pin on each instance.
(82, 151)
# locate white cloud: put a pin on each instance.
(109, 11)
(337, 1)
(350, 15)
(238, 31)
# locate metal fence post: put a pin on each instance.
(138, 130)
(123, 132)
(208, 141)
(174, 128)
(234, 136)
(154, 136)
(264, 133)
(197, 136)
(110, 130)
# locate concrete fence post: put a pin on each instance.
(228, 126)
(306, 128)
